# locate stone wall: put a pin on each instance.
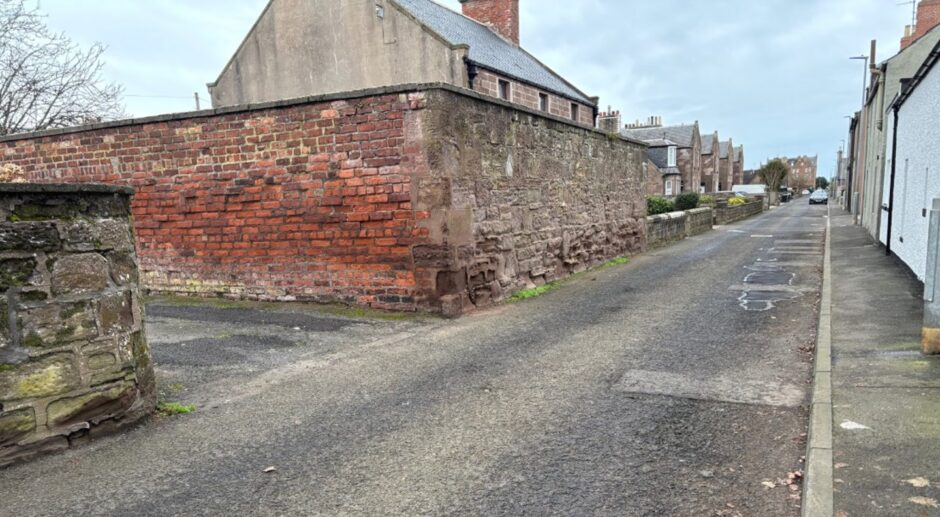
(699, 221)
(663, 229)
(728, 214)
(408, 197)
(516, 199)
(74, 360)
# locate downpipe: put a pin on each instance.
(889, 206)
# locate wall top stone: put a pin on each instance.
(339, 96)
(64, 188)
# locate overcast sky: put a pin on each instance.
(772, 74)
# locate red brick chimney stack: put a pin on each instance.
(501, 15)
(928, 17)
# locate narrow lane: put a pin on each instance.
(674, 385)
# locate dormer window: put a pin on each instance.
(671, 157)
(504, 90)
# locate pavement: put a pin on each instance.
(885, 395)
(677, 384)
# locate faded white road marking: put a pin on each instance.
(719, 389)
(853, 426)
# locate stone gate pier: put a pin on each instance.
(74, 360)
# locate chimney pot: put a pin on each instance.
(500, 15)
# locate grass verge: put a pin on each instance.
(174, 408)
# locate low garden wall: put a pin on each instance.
(729, 214)
(663, 229)
(74, 360)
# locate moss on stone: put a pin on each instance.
(15, 424)
(48, 381)
(4, 367)
(32, 340)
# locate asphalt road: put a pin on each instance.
(673, 385)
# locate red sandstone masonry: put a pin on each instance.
(309, 202)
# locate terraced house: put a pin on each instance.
(301, 48)
(688, 141)
(710, 162)
(725, 165)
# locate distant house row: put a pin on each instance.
(681, 159)
(301, 48)
(890, 174)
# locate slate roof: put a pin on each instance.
(723, 148)
(681, 135)
(488, 49)
(660, 142)
(708, 140)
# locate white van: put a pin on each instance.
(749, 190)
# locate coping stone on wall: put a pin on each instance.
(338, 96)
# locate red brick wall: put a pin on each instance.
(502, 15)
(307, 202)
(487, 83)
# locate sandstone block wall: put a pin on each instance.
(516, 199)
(729, 214)
(73, 355)
(663, 229)
(411, 197)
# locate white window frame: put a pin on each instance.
(671, 158)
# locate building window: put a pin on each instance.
(575, 111)
(543, 102)
(669, 187)
(504, 90)
(671, 158)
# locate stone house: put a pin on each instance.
(301, 48)
(710, 162)
(738, 166)
(688, 142)
(663, 176)
(912, 169)
(803, 171)
(725, 165)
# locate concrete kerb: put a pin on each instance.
(817, 487)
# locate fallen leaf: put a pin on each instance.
(768, 484)
(269, 470)
(919, 482)
(841, 465)
(925, 501)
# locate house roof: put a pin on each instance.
(682, 135)
(922, 72)
(723, 148)
(489, 50)
(708, 142)
(660, 142)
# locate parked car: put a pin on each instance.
(819, 197)
(805, 192)
(785, 195)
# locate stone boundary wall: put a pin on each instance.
(663, 229)
(409, 197)
(729, 214)
(74, 360)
